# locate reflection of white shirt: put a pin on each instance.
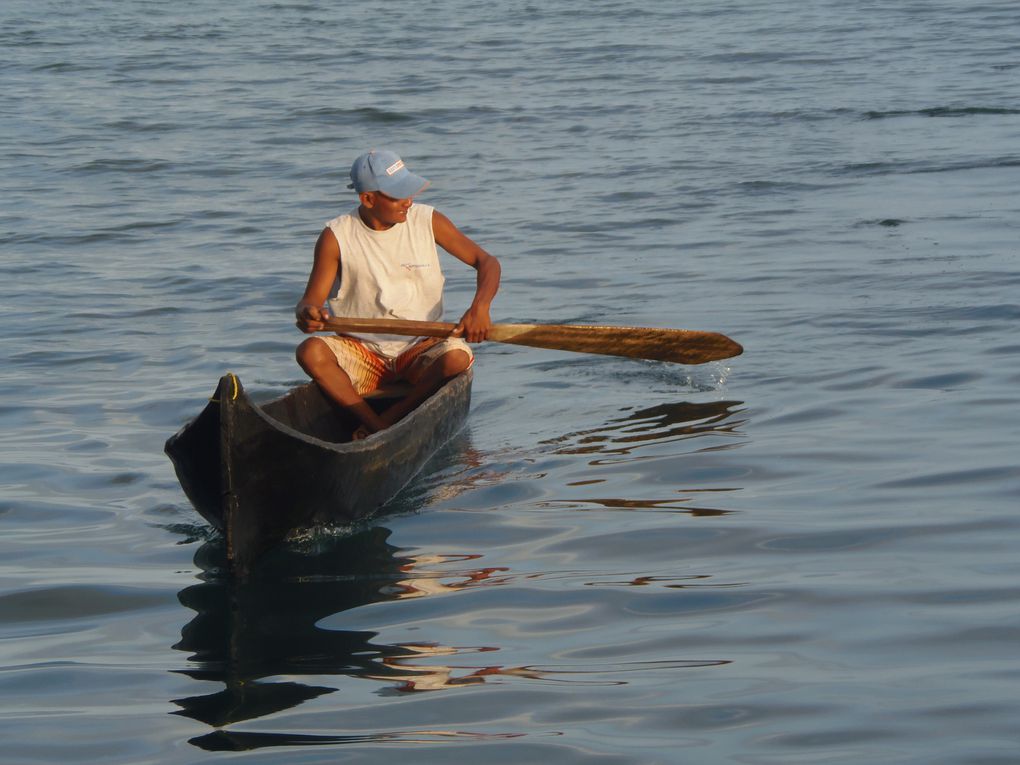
(391, 274)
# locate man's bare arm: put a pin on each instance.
(325, 271)
(475, 323)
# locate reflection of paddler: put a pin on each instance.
(436, 677)
(423, 583)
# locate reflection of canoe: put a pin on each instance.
(257, 472)
(279, 638)
(261, 638)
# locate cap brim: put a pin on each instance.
(404, 187)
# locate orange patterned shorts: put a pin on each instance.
(368, 370)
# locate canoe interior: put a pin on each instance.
(309, 411)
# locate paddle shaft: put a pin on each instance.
(681, 346)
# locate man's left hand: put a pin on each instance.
(474, 325)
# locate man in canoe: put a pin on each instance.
(381, 259)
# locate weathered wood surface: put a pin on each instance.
(259, 472)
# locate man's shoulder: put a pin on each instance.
(342, 217)
(421, 211)
(420, 217)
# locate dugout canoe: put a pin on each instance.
(257, 472)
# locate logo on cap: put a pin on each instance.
(392, 169)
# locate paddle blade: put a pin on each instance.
(680, 346)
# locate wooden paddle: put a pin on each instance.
(680, 346)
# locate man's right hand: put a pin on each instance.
(310, 318)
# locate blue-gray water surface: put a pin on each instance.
(806, 554)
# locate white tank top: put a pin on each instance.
(391, 274)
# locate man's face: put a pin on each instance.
(385, 209)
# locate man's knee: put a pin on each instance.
(454, 362)
(312, 353)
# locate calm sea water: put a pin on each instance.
(808, 554)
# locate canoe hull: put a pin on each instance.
(259, 472)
